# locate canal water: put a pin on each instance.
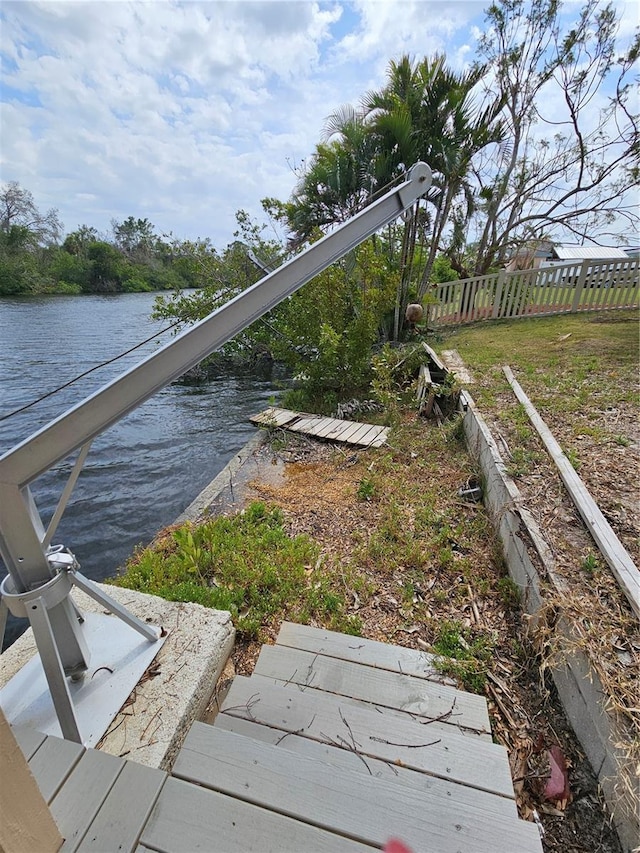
(142, 472)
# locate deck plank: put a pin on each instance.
(52, 763)
(78, 802)
(383, 770)
(323, 426)
(312, 791)
(28, 739)
(274, 417)
(390, 689)
(357, 649)
(187, 818)
(125, 810)
(363, 435)
(331, 429)
(319, 717)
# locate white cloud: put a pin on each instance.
(185, 112)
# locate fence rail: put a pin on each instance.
(563, 289)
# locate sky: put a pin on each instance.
(184, 112)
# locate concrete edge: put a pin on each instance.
(530, 565)
(152, 724)
(224, 481)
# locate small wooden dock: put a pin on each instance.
(332, 429)
(335, 743)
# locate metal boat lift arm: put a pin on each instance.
(24, 544)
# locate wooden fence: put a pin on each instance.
(563, 289)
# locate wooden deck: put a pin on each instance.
(335, 743)
(350, 432)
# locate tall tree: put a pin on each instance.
(135, 238)
(339, 177)
(570, 164)
(427, 111)
(18, 210)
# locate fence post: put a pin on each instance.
(580, 285)
(498, 294)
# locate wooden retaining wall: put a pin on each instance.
(531, 568)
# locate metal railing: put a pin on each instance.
(563, 289)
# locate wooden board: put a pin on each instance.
(409, 743)
(359, 650)
(28, 740)
(618, 558)
(331, 429)
(125, 810)
(313, 792)
(378, 769)
(188, 818)
(53, 762)
(436, 702)
(273, 417)
(77, 804)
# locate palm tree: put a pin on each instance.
(426, 111)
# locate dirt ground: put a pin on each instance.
(316, 486)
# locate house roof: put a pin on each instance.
(570, 253)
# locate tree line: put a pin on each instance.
(34, 259)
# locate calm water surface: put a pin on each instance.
(146, 469)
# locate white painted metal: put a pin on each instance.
(118, 655)
(23, 542)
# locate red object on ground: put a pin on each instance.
(393, 845)
(557, 787)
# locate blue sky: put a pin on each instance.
(185, 112)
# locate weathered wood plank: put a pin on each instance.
(324, 426)
(28, 739)
(274, 417)
(76, 805)
(125, 810)
(188, 818)
(612, 549)
(388, 689)
(53, 762)
(389, 713)
(345, 429)
(366, 433)
(379, 440)
(313, 792)
(331, 429)
(383, 770)
(435, 358)
(477, 763)
(357, 649)
(304, 423)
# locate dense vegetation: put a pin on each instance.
(33, 261)
(505, 177)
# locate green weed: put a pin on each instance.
(461, 655)
(366, 489)
(246, 564)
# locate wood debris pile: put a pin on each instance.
(438, 392)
